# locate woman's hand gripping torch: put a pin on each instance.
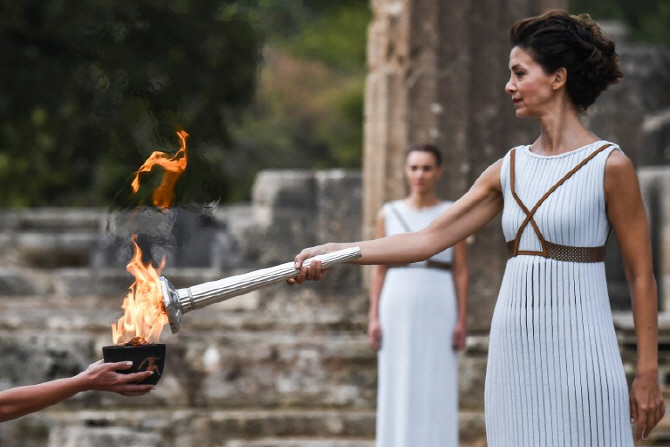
(178, 302)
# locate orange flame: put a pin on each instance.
(173, 167)
(144, 315)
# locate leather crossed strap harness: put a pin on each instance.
(549, 249)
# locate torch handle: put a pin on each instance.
(202, 295)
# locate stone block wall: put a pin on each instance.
(279, 367)
(282, 366)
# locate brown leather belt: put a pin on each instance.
(563, 252)
(427, 264)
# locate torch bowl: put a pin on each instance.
(149, 357)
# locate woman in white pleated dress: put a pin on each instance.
(554, 376)
(417, 320)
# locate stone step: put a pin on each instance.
(186, 427)
(51, 250)
(54, 219)
(253, 312)
(100, 282)
(54, 238)
(300, 442)
(197, 427)
(74, 282)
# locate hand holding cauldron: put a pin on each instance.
(99, 376)
(145, 360)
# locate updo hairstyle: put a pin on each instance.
(426, 148)
(557, 39)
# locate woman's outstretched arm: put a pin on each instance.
(627, 215)
(376, 284)
(19, 401)
(466, 216)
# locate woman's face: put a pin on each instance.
(530, 87)
(422, 171)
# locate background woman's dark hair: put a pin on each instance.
(557, 39)
(426, 148)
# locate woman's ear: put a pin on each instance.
(560, 78)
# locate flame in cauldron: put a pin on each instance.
(144, 316)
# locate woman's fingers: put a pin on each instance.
(641, 429)
(312, 272)
(647, 417)
(134, 390)
(633, 410)
(375, 339)
(653, 416)
(136, 377)
(660, 412)
(646, 404)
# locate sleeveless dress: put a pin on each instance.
(417, 398)
(555, 375)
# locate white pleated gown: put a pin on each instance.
(417, 401)
(554, 375)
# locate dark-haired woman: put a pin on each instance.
(417, 320)
(554, 376)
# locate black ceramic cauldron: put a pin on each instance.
(147, 357)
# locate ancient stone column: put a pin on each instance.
(437, 72)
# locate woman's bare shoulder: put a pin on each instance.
(619, 166)
(490, 178)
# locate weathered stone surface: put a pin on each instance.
(471, 376)
(628, 111)
(104, 436)
(437, 71)
(14, 282)
(655, 186)
(656, 137)
(298, 352)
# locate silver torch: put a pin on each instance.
(178, 302)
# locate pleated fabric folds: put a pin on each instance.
(554, 375)
(417, 398)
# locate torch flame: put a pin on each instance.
(173, 167)
(144, 315)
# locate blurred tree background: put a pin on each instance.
(308, 110)
(90, 88)
(647, 20)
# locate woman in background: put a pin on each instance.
(417, 320)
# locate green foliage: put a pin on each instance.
(91, 88)
(337, 39)
(96, 86)
(308, 112)
(648, 20)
